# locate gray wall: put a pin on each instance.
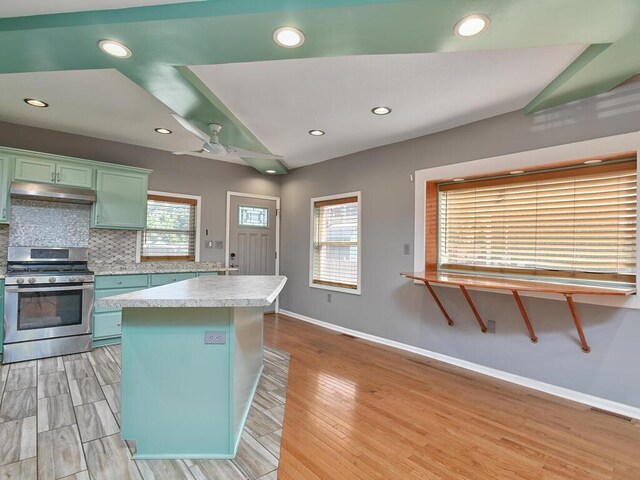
(394, 308)
(176, 174)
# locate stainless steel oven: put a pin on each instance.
(49, 294)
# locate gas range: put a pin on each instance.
(48, 308)
(37, 266)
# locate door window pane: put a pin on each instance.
(253, 216)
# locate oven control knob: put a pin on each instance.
(32, 280)
(52, 279)
(20, 281)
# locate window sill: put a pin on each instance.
(332, 288)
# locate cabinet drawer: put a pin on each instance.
(206, 274)
(107, 324)
(109, 293)
(165, 278)
(121, 281)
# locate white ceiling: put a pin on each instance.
(95, 103)
(23, 8)
(279, 101)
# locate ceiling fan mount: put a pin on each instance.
(212, 143)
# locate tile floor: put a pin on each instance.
(59, 419)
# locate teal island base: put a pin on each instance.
(182, 396)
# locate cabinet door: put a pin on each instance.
(4, 190)
(35, 170)
(74, 175)
(107, 325)
(122, 200)
(1, 309)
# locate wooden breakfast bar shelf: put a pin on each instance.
(514, 285)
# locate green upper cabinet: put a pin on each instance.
(121, 191)
(43, 170)
(121, 199)
(4, 189)
(29, 169)
(74, 175)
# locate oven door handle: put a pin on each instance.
(12, 289)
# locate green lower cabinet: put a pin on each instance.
(107, 325)
(107, 322)
(1, 309)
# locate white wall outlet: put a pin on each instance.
(215, 338)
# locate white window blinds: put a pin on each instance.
(576, 222)
(171, 229)
(335, 242)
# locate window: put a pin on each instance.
(249, 216)
(171, 232)
(335, 245)
(570, 222)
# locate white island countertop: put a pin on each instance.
(209, 291)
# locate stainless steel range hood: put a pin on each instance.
(52, 193)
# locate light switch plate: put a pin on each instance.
(215, 338)
(208, 244)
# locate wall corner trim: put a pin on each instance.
(620, 408)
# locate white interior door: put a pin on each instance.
(252, 236)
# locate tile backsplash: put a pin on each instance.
(49, 224)
(112, 246)
(57, 224)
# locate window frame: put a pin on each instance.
(198, 200)
(335, 288)
(527, 159)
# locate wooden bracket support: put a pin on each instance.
(525, 317)
(576, 320)
(483, 328)
(435, 297)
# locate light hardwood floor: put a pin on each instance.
(356, 410)
(59, 419)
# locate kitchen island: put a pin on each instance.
(191, 362)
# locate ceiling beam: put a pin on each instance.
(599, 69)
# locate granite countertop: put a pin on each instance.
(105, 268)
(210, 291)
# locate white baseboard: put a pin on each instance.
(579, 397)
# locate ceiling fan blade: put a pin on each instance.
(190, 152)
(242, 153)
(189, 127)
(214, 148)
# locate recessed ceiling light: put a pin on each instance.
(164, 131)
(316, 133)
(458, 179)
(592, 162)
(471, 25)
(34, 102)
(271, 171)
(516, 172)
(288, 37)
(381, 111)
(115, 49)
